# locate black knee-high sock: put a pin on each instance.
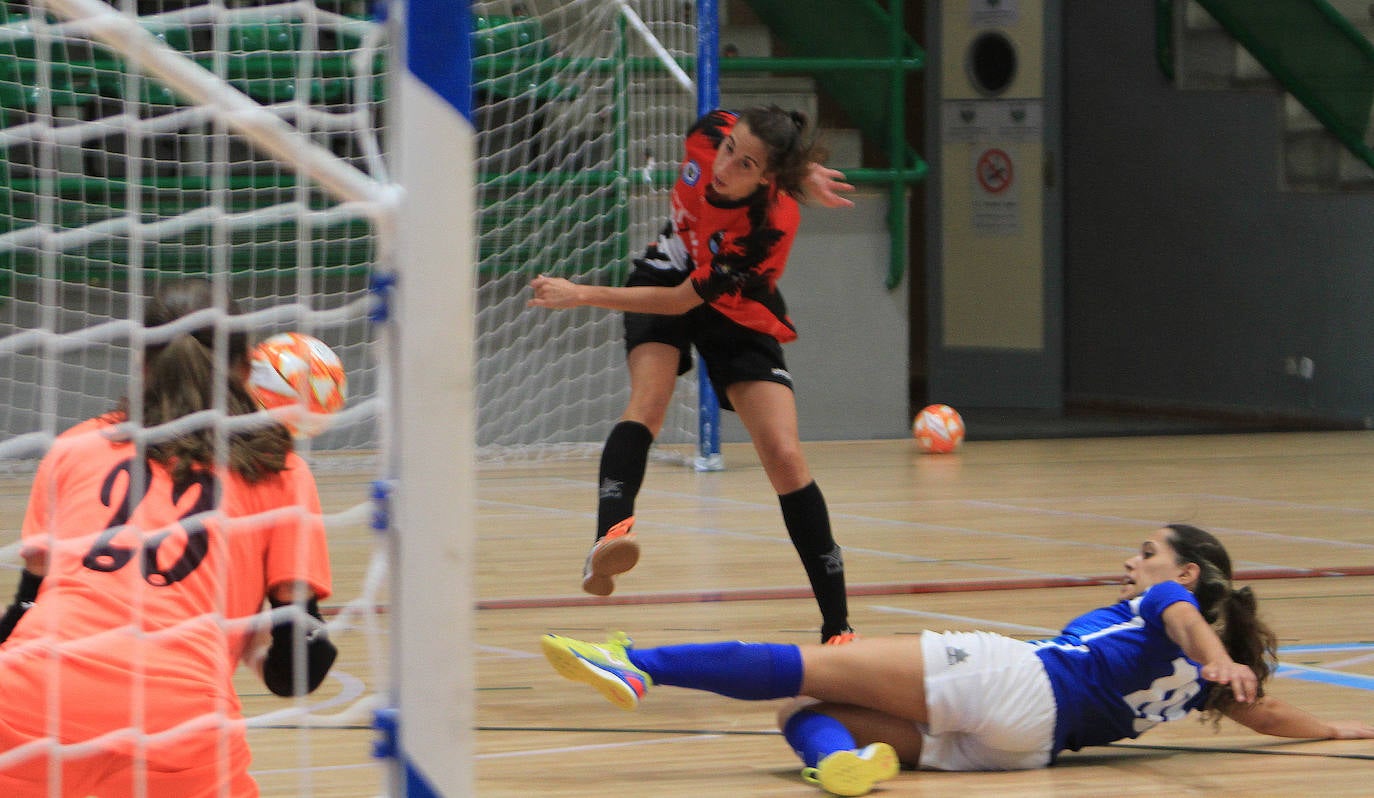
(623, 460)
(808, 524)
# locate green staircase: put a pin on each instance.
(868, 59)
(1317, 53)
(861, 58)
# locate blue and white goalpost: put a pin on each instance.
(432, 453)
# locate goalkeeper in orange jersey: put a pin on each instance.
(148, 556)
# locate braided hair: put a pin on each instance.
(1232, 613)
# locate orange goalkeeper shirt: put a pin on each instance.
(136, 618)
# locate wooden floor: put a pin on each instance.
(1009, 536)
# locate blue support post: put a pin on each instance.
(708, 98)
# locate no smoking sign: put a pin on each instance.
(994, 171)
(995, 206)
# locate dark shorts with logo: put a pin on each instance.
(731, 353)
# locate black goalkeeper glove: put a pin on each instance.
(24, 598)
(289, 629)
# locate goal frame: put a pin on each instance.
(433, 535)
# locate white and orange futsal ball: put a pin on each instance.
(303, 377)
(938, 429)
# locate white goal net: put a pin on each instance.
(113, 180)
(109, 172)
(146, 142)
(143, 141)
(580, 120)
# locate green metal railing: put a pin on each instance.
(909, 167)
(862, 57)
(852, 78)
(511, 58)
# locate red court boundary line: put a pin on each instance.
(880, 589)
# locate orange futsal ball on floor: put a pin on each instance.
(300, 372)
(938, 429)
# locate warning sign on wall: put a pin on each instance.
(997, 121)
(995, 205)
(993, 13)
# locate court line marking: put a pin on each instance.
(1321, 648)
(580, 749)
(1009, 505)
(1188, 749)
(879, 589)
(979, 622)
(1309, 673)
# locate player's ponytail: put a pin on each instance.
(1234, 614)
(1246, 637)
(179, 379)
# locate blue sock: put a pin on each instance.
(748, 671)
(814, 736)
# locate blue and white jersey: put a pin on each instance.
(1115, 672)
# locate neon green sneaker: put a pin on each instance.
(854, 772)
(604, 666)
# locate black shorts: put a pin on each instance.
(732, 353)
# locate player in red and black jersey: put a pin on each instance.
(710, 281)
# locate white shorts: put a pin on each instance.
(990, 703)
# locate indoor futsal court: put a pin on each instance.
(1015, 537)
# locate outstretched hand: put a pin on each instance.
(553, 292)
(1242, 680)
(822, 185)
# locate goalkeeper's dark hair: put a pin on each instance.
(1232, 613)
(179, 379)
(791, 149)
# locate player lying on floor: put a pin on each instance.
(1180, 638)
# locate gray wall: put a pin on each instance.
(1190, 276)
(849, 362)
